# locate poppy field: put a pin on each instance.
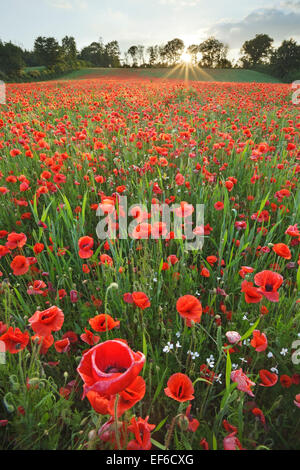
(136, 342)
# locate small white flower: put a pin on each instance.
(168, 347)
(270, 354)
(242, 359)
(274, 370)
(284, 351)
(234, 366)
(178, 345)
(245, 317)
(178, 334)
(218, 378)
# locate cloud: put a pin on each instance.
(180, 3)
(67, 4)
(276, 22)
(290, 5)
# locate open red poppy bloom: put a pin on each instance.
(85, 247)
(282, 250)
(269, 282)
(43, 323)
(259, 341)
(14, 340)
(189, 307)
(103, 322)
(20, 265)
(16, 240)
(252, 294)
(141, 300)
(110, 367)
(268, 379)
(180, 388)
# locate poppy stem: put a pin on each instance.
(116, 422)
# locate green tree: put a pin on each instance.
(112, 51)
(11, 59)
(69, 48)
(132, 51)
(214, 53)
(193, 50)
(48, 51)
(173, 50)
(94, 54)
(285, 61)
(257, 50)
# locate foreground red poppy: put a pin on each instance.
(110, 367)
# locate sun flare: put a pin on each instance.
(186, 58)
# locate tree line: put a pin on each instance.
(57, 58)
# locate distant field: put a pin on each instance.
(32, 69)
(179, 73)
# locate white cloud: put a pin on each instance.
(279, 24)
(67, 4)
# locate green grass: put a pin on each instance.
(178, 73)
(34, 69)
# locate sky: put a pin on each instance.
(149, 22)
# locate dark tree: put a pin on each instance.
(286, 59)
(48, 51)
(214, 53)
(257, 50)
(112, 51)
(94, 54)
(132, 51)
(69, 48)
(11, 58)
(173, 50)
(193, 50)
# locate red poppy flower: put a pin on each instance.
(286, 381)
(110, 367)
(103, 322)
(282, 250)
(71, 335)
(297, 400)
(141, 300)
(193, 422)
(268, 378)
(16, 240)
(20, 265)
(259, 341)
(45, 342)
(43, 323)
(231, 442)
(142, 432)
(268, 283)
(85, 247)
(62, 345)
(243, 382)
(14, 340)
(219, 206)
(180, 388)
(189, 307)
(252, 294)
(89, 337)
